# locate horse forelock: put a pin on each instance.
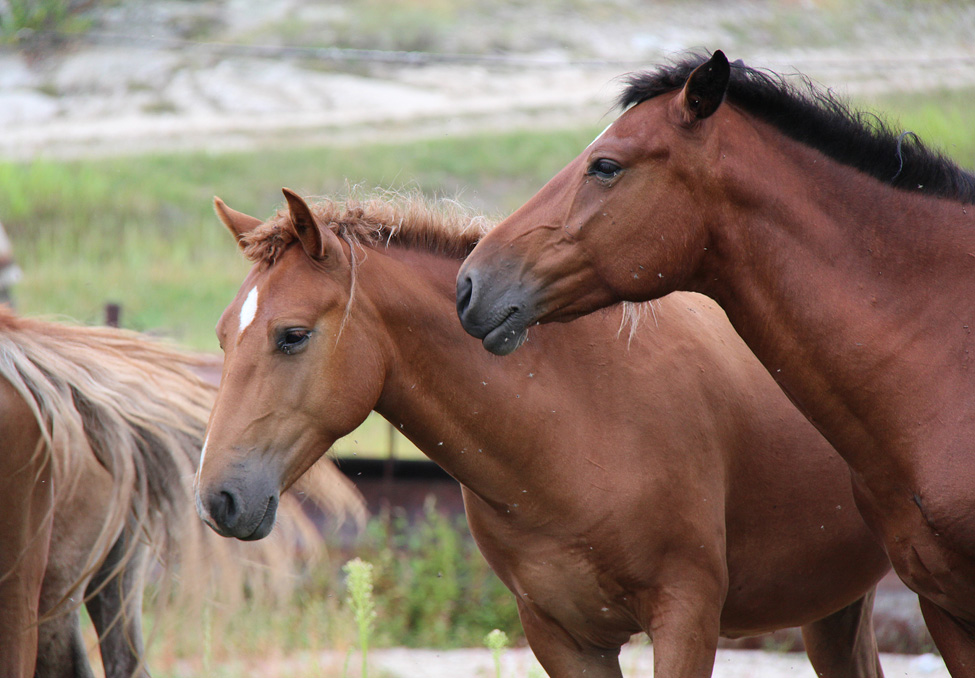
(802, 111)
(412, 221)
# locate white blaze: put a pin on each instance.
(248, 309)
(203, 454)
(600, 134)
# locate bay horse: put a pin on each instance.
(843, 254)
(100, 433)
(656, 483)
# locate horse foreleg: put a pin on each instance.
(684, 611)
(114, 602)
(561, 655)
(22, 574)
(954, 637)
(26, 517)
(61, 649)
(685, 643)
(843, 645)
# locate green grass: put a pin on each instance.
(140, 231)
(942, 119)
(42, 15)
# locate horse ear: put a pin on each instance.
(705, 89)
(319, 243)
(236, 222)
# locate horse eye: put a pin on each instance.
(293, 340)
(604, 169)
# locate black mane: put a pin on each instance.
(818, 119)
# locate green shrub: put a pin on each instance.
(62, 16)
(433, 588)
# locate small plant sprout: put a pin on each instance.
(497, 642)
(360, 600)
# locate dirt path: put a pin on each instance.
(637, 662)
(226, 74)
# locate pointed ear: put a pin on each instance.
(319, 243)
(705, 89)
(236, 222)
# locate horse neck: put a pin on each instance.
(837, 283)
(470, 412)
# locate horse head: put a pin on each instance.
(559, 255)
(288, 360)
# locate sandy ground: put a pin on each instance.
(637, 662)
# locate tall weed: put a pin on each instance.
(497, 642)
(359, 582)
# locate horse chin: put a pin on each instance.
(504, 340)
(266, 523)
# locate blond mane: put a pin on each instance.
(411, 221)
(141, 408)
(128, 401)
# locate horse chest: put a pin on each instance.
(582, 598)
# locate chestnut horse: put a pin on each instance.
(657, 483)
(100, 431)
(843, 254)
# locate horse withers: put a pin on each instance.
(658, 482)
(843, 253)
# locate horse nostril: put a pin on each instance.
(225, 509)
(465, 291)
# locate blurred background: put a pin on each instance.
(121, 119)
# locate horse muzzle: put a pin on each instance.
(243, 508)
(497, 313)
